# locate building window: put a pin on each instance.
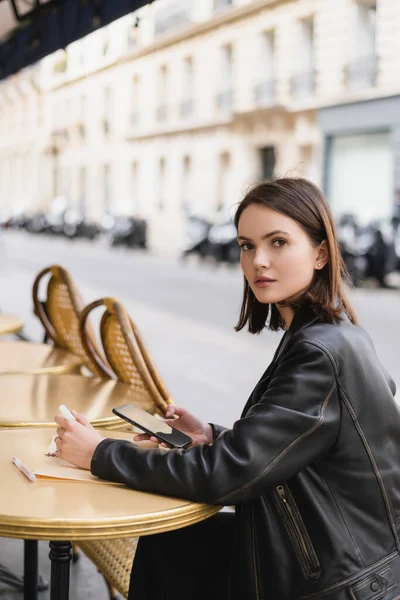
(302, 82)
(224, 99)
(267, 162)
(105, 45)
(82, 186)
(264, 90)
(362, 68)
(81, 118)
(136, 91)
(162, 108)
(224, 181)
(186, 183)
(161, 184)
(135, 188)
(107, 111)
(187, 103)
(107, 188)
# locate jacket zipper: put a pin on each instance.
(297, 532)
(253, 533)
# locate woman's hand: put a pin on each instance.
(184, 421)
(76, 440)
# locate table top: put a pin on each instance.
(33, 357)
(33, 400)
(10, 324)
(62, 510)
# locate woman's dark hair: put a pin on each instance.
(303, 202)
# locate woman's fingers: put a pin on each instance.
(81, 418)
(140, 437)
(144, 437)
(169, 413)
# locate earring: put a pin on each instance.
(319, 264)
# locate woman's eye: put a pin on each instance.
(245, 246)
(278, 243)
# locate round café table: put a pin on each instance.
(33, 400)
(34, 358)
(65, 511)
(10, 324)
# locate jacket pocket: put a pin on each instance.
(297, 532)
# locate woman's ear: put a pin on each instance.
(322, 256)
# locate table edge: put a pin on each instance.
(162, 521)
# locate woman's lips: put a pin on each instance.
(262, 282)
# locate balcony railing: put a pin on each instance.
(186, 107)
(172, 17)
(264, 93)
(221, 4)
(134, 119)
(105, 126)
(302, 84)
(224, 100)
(162, 112)
(361, 73)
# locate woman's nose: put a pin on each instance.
(261, 258)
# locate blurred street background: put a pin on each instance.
(186, 312)
(124, 152)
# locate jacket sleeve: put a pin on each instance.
(390, 380)
(217, 430)
(296, 420)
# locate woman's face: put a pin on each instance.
(277, 257)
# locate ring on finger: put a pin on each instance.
(55, 441)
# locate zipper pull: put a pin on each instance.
(281, 492)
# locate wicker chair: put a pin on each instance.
(59, 315)
(125, 351)
(129, 359)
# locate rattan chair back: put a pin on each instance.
(59, 315)
(125, 350)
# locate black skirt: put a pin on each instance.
(192, 562)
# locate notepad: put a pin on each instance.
(55, 469)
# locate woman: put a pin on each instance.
(312, 465)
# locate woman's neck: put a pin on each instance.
(287, 314)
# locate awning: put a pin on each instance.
(32, 29)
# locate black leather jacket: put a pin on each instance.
(313, 467)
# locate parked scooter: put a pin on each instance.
(128, 231)
(37, 223)
(55, 215)
(367, 251)
(75, 226)
(196, 237)
(222, 237)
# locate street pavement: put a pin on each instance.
(186, 313)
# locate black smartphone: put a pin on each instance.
(152, 425)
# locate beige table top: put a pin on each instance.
(33, 400)
(32, 357)
(62, 510)
(10, 324)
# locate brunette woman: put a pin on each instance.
(313, 464)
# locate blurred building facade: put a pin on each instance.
(178, 108)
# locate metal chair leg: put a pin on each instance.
(76, 552)
(112, 592)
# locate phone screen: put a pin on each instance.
(152, 425)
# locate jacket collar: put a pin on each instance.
(303, 317)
